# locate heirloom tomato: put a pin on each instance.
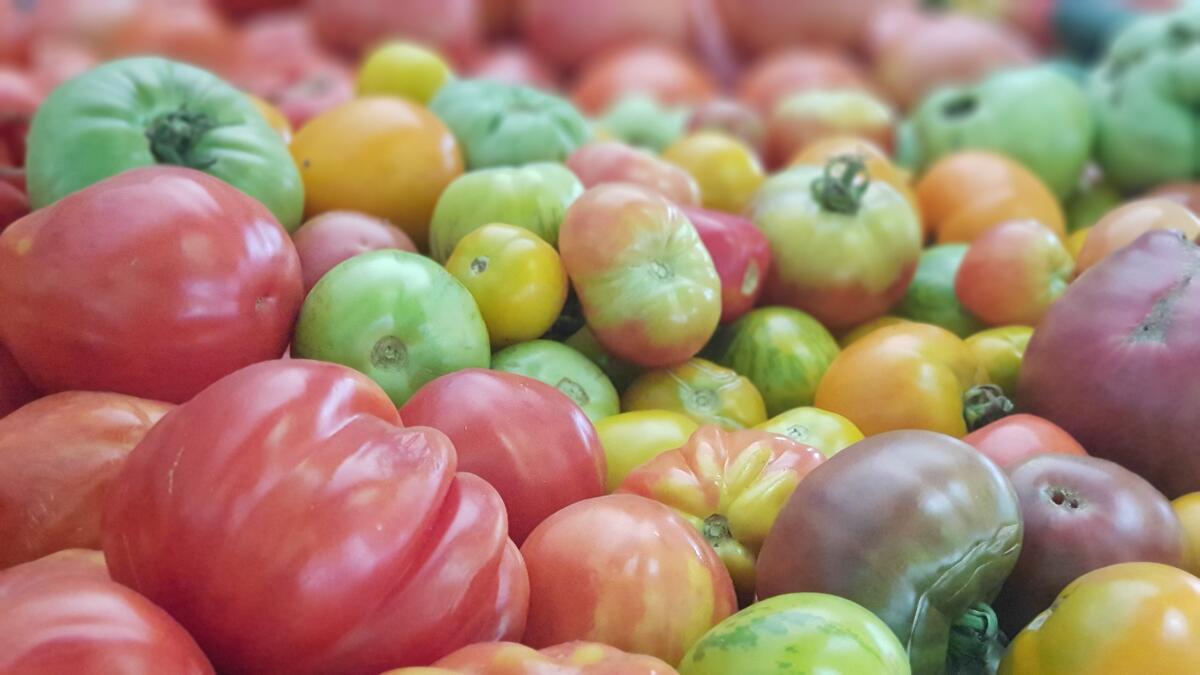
(569, 658)
(565, 369)
(514, 64)
(1121, 226)
(526, 438)
(1000, 351)
(864, 329)
(403, 69)
(775, 76)
(453, 27)
(726, 169)
(1187, 509)
(568, 32)
(730, 486)
(626, 571)
(828, 432)
(641, 121)
(634, 438)
(274, 117)
(1184, 193)
(879, 164)
(1126, 618)
(15, 388)
(336, 236)
(804, 118)
(741, 256)
(613, 162)
(700, 389)
(62, 615)
(19, 100)
(14, 205)
(648, 287)
(663, 73)
(385, 157)
(58, 458)
(930, 298)
(1013, 272)
(1013, 439)
(209, 282)
(294, 473)
(620, 372)
(732, 118)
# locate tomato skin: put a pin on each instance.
(15, 388)
(62, 614)
(565, 369)
(274, 117)
(568, 32)
(1011, 440)
(1187, 509)
(614, 162)
(454, 27)
(665, 74)
(1013, 272)
(828, 432)
(1150, 614)
(13, 204)
(212, 284)
(807, 117)
(633, 438)
(732, 118)
(570, 658)
(726, 169)
(514, 64)
(1121, 226)
(741, 255)
(626, 571)
(1001, 351)
(700, 389)
(336, 236)
(58, 458)
(19, 99)
(526, 438)
(772, 78)
(275, 471)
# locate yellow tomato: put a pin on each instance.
(276, 119)
(634, 438)
(700, 389)
(1187, 508)
(907, 376)
(516, 279)
(1076, 240)
(1000, 351)
(727, 171)
(828, 432)
(862, 330)
(403, 69)
(1117, 620)
(382, 156)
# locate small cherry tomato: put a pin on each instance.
(403, 69)
(828, 432)
(702, 390)
(726, 169)
(634, 438)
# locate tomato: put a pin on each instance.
(58, 457)
(964, 194)
(783, 351)
(930, 298)
(382, 156)
(613, 162)
(570, 658)
(526, 438)
(19, 99)
(828, 432)
(1013, 272)
(453, 27)
(730, 486)
(1121, 226)
(274, 117)
(1186, 194)
(806, 117)
(907, 376)
(565, 369)
(648, 287)
(843, 247)
(15, 387)
(62, 614)
(864, 329)
(568, 32)
(730, 117)
(1187, 509)
(209, 283)
(741, 255)
(726, 170)
(1013, 439)
(761, 26)
(662, 72)
(799, 633)
(295, 472)
(626, 571)
(516, 279)
(336, 236)
(514, 64)
(879, 165)
(145, 111)
(1076, 240)
(773, 77)
(13, 204)
(403, 69)
(634, 438)
(700, 389)
(1000, 351)
(1150, 614)
(397, 316)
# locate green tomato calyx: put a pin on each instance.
(985, 404)
(842, 184)
(716, 529)
(389, 353)
(976, 642)
(175, 135)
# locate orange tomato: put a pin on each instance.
(1119, 227)
(965, 194)
(879, 165)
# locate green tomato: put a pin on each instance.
(499, 124)
(1087, 206)
(798, 633)
(148, 110)
(396, 316)
(565, 369)
(620, 373)
(1038, 116)
(783, 351)
(640, 120)
(534, 197)
(930, 297)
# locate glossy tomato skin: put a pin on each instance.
(741, 255)
(61, 615)
(1001, 351)
(665, 74)
(1011, 440)
(1121, 226)
(58, 459)
(828, 432)
(1081, 514)
(1013, 272)
(210, 283)
(879, 164)
(700, 389)
(335, 236)
(565, 369)
(13, 204)
(19, 99)
(626, 571)
(1150, 613)
(526, 438)
(15, 388)
(569, 658)
(727, 170)
(631, 439)
(275, 471)
(614, 162)
(806, 117)
(1187, 509)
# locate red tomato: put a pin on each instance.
(615, 162)
(58, 457)
(514, 64)
(15, 388)
(62, 615)
(760, 26)
(19, 99)
(155, 283)
(665, 74)
(1013, 439)
(741, 254)
(626, 571)
(335, 236)
(453, 27)
(52, 62)
(354, 539)
(16, 26)
(731, 117)
(1013, 272)
(571, 658)
(244, 7)
(526, 438)
(13, 204)
(568, 32)
(773, 78)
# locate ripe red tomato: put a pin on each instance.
(1011, 440)
(514, 64)
(15, 388)
(13, 204)
(741, 254)
(667, 75)
(19, 99)
(568, 32)
(354, 540)
(62, 615)
(615, 162)
(453, 27)
(336, 236)
(526, 438)
(58, 457)
(153, 283)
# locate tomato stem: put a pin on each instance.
(985, 404)
(976, 643)
(842, 184)
(716, 529)
(175, 135)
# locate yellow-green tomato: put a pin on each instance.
(403, 69)
(726, 169)
(702, 390)
(516, 279)
(1000, 351)
(634, 438)
(799, 633)
(826, 431)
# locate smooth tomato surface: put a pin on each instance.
(1011, 440)
(336, 236)
(668, 75)
(1001, 351)
(741, 255)
(1013, 272)
(727, 170)
(634, 438)
(15, 387)
(614, 162)
(1121, 226)
(569, 658)
(700, 389)
(828, 432)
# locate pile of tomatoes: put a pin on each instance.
(667, 337)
